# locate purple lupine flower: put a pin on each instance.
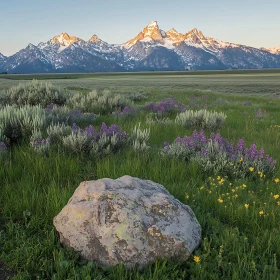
(197, 144)
(252, 152)
(94, 134)
(36, 143)
(89, 130)
(125, 112)
(261, 153)
(167, 105)
(75, 128)
(165, 144)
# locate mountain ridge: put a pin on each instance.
(151, 49)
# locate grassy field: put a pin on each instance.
(240, 217)
(258, 82)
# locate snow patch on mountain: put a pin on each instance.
(275, 50)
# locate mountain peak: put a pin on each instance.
(152, 30)
(150, 33)
(172, 30)
(153, 24)
(196, 32)
(196, 36)
(64, 39)
(175, 36)
(275, 50)
(31, 46)
(94, 38)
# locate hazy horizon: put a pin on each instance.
(253, 23)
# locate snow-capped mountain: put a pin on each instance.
(2, 56)
(28, 60)
(275, 50)
(151, 49)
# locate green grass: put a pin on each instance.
(246, 82)
(237, 243)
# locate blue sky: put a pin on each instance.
(250, 22)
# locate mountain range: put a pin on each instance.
(152, 49)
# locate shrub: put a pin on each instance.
(126, 112)
(216, 155)
(62, 114)
(57, 131)
(13, 132)
(98, 142)
(3, 138)
(105, 145)
(201, 119)
(57, 114)
(154, 119)
(76, 116)
(136, 96)
(140, 138)
(99, 102)
(38, 143)
(108, 140)
(21, 120)
(76, 142)
(34, 93)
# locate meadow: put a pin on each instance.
(236, 200)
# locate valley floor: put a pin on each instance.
(240, 216)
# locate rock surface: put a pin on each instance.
(127, 221)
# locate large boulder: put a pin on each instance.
(127, 221)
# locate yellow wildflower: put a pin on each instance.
(220, 200)
(276, 196)
(276, 180)
(202, 187)
(244, 186)
(278, 202)
(196, 259)
(251, 169)
(219, 178)
(246, 206)
(261, 213)
(236, 195)
(187, 196)
(221, 181)
(241, 160)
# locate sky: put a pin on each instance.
(254, 23)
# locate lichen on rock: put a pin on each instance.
(127, 221)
